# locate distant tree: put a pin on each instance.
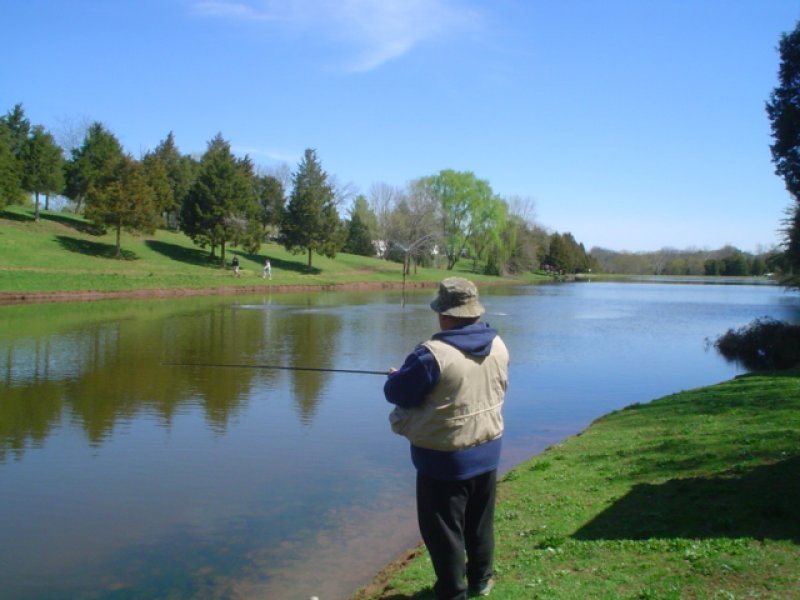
(271, 201)
(14, 131)
(155, 171)
(311, 222)
(783, 109)
(567, 255)
(180, 171)
(93, 165)
(10, 173)
(486, 239)
(221, 206)
(714, 267)
(19, 127)
(359, 239)
(736, 265)
(43, 166)
(383, 199)
(124, 201)
(463, 198)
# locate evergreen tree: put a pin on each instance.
(783, 109)
(271, 199)
(311, 222)
(221, 206)
(155, 171)
(10, 175)
(359, 238)
(19, 127)
(568, 256)
(43, 166)
(124, 201)
(180, 171)
(94, 165)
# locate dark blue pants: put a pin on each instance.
(456, 520)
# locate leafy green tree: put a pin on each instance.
(94, 165)
(124, 201)
(311, 222)
(43, 165)
(463, 199)
(486, 238)
(359, 238)
(221, 206)
(10, 176)
(783, 109)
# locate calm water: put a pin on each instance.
(123, 477)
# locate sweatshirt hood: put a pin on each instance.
(475, 339)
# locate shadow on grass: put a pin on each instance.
(426, 594)
(15, 216)
(72, 221)
(283, 265)
(761, 504)
(190, 256)
(91, 248)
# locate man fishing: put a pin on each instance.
(448, 397)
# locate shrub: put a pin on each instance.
(762, 345)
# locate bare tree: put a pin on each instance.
(383, 200)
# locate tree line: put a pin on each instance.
(727, 261)
(220, 200)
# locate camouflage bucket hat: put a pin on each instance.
(458, 297)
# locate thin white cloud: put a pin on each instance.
(377, 30)
(270, 153)
(229, 10)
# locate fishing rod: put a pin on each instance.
(276, 367)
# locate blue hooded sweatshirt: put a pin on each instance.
(408, 386)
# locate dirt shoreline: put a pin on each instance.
(157, 293)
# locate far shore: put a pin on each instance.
(154, 293)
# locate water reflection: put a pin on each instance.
(110, 370)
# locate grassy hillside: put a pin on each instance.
(62, 253)
(694, 495)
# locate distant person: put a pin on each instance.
(267, 270)
(235, 265)
(448, 397)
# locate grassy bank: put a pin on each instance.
(694, 495)
(61, 253)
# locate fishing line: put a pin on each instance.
(276, 367)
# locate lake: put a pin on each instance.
(125, 476)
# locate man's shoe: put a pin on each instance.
(482, 589)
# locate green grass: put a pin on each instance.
(695, 495)
(62, 252)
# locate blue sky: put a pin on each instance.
(633, 124)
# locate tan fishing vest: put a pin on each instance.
(463, 409)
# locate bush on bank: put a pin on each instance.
(764, 344)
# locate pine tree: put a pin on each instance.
(10, 176)
(42, 166)
(784, 113)
(94, 165)
(221, 205)
(311, 222)
(125, 201)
